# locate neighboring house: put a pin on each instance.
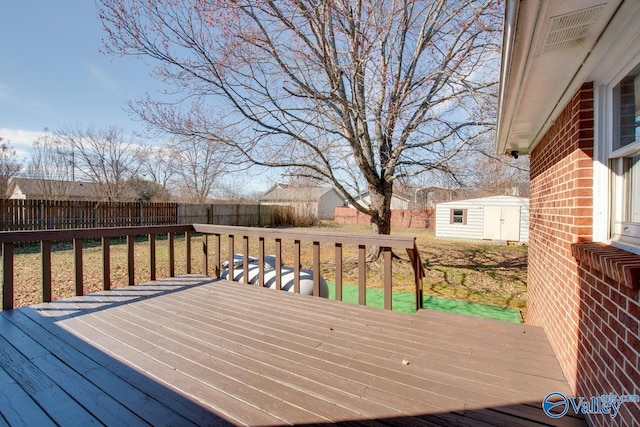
(497, 218)
(47, 189)
(398, 201)
(318, 202)
(570, 97)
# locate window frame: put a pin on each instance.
(453, 215)
(610, 194)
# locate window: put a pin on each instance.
(458, 216)
(625, 160)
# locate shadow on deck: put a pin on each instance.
(197, 351)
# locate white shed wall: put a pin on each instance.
(328, 203)
(474, 228)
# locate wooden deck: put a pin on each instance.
(195, 351)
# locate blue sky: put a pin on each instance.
(53, 75)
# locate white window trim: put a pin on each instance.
(603, 154)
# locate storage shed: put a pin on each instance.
(496, 218)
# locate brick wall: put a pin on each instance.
(410, 218)
(589, 315)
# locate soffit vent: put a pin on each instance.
(570, 30)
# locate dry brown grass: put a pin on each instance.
(474, 272)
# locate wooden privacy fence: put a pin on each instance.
(424, 219)
(9, 238)
(16, 214)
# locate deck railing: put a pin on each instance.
(9, 238)
(385, 243)
(45, 238)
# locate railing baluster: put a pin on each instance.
(106, 263)
(131, 267)
(152, 257)
(386, 254)
(231, 261)
(245, 255)
(45, 261)
(77, 266)
(7, 276)
(172, 254)
(338, 262)
(362, 275)
(187, 238)
(261, 261)
(218, 257)
(296, 266)
(316, 269)
(278, 263)
(205, 254)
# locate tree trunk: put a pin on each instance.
(381, 217)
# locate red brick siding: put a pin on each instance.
(410, 218)
(587, 306)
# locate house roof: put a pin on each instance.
(550, 48)
(35, 188)
(286, 193)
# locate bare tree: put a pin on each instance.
(502, 176)
(51, 164)
(199, 164)
(9, 165)
(105, 156)
(159, 167)
(357, 93)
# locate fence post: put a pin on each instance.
(95, 215)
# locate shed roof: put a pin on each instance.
(494, 200)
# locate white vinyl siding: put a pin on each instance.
(474, 228)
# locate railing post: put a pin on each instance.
(418, 274)
(387, 274)
(45, 261)
(205, 254)
(77, 267)
(278, 263)
(296, 266)
(218, 257)
(245, 263)
(172, 254)
(106, 263)
(362, 275)
(152, 257)
(187, 238)
(316, 269)
(261, 261)
(131, 268)
(231, 274)
(338, 262)
(7, 276)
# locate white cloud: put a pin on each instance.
(21, 139)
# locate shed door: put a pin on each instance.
(501, 223)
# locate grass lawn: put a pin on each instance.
(467, 272)
(405, 302)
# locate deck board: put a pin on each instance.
(196, 351)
